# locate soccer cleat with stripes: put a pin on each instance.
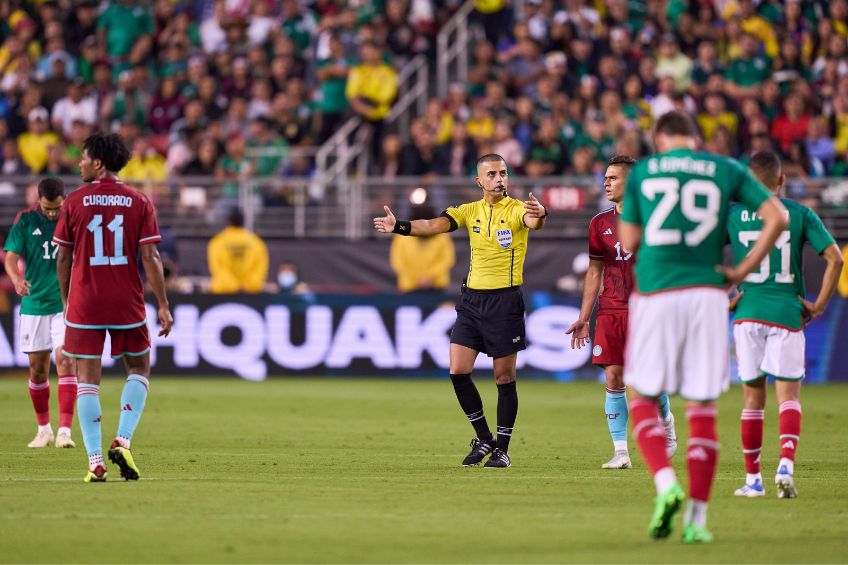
(785, 483)
(751, 490)
(122, 457)
(498, 460)
(621, 460)
(696, 534)
(666, 505)
(480, 448)
(42, 439)
(96, 475)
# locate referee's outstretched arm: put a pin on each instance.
(389, 224)
(535, 213)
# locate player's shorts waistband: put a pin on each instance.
(491, 290)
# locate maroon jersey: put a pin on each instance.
(618, 265)
(106, 222)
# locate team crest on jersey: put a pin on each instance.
(597, 350)
(505, 238)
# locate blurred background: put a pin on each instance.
(268, 133)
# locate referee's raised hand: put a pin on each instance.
(386, 224)
(534, 208)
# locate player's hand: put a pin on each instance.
(731, 274)
(22, 287)
(735, 302)
(387, 223)
(166, 321)
(533, 207)
(579, 331)
(809, 311)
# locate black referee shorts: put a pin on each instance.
(490, 321)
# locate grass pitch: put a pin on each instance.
(367, 471)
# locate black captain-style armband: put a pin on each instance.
(453, 224)
(403, 227)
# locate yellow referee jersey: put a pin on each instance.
(498, 238)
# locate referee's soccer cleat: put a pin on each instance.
(751, 490)
(670, 436)
(480, 448)
(63, 440)
(42, 439)
(696, 534)
(96, 475)
(785, 483)
(621, 460)
(122, 457)
(498, 460)
(666, 505)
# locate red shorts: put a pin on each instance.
(88, 343)
(610, 338)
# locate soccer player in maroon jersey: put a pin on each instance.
(103, 226)
(612, 264)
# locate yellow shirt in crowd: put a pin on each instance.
(417, 259)
(238, 261)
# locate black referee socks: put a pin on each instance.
(507, 411)
(472, 404)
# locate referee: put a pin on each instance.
(490, 311)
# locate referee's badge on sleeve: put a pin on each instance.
(597, 350)
(505, 238)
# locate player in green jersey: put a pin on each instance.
(771, 311)
(42, 327)
(674, 218)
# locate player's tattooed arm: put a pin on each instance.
(830, 278)
(63, 272)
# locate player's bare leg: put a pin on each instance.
(650, 435)
(754, 393)
(615, 408)
(504, 369)
(133, 399)
(67, 371)
(461, 365)
(788, 397)
(89, 373)
(39, 392)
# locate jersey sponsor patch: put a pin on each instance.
(505, 238)
(597, 350)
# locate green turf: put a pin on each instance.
(318, 471)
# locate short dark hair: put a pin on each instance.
(236, 218)
(489, 158)
(110, 149)
(676, 123)
(766, 167)
(51, 188)
(625, 160)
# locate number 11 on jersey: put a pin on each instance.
(116, 226)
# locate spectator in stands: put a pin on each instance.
(206, 160)
(332, 73)
(145, 166)
(457, 157)
(12, 162)
(792, 125)
(55, 165)
(422, 264)
(371, 89)
(238, 259)
(547, 155)
(74, 107)
(289, 281)
(480, 125)
(820, 146)
(747, 71)
(505, 145)
(420, 157)
(495, 17)
(267, 145)
(671, 62)
(390, 163)
(35, 142)
(716, 115)
(126, 29)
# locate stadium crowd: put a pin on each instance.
(556, 87)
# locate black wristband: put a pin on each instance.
(403, 227)
(545, 215)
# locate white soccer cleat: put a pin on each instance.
(42, 439)
(64, 440)
(670, 436)
(785, 484)
(621, 460)
(752, 490)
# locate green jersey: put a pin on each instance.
(771, 293)
(31, 237)
(681, 199)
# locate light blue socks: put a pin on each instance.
(615, 407)
(132, 405)
(89, 414)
